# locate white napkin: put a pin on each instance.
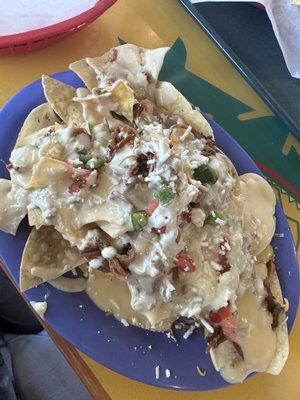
(285, 19)
(24, 15)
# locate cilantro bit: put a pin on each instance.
(165, 195)
(139, 219)
(212, 218)
(206, 174)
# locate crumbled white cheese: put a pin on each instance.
(91, 239)
(188, 333)
(186, 133)
(124, 322)
(108, 252)
(157, 372)
(96, 263)
(198, 217)
(168, 373)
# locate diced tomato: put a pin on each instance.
(187, 216)
(163, 229)
(184, 263)
(152, 207)
(80, 178)
(224, 318)
(74, 188)
(224, 245)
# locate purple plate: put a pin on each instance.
(130, 351)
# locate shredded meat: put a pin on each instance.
(105, 267)
(113, 53)
(119, 117)
(224, 263)
(149, 77)
(90, 253)
(137, 110)
(209, 148)
(183, 324)
(141, 167)
(215, 338)
(119, 137)
(272, 305)
(10, 167)
(117, 268)
(127, 254)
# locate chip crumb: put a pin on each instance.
(150, 347)
(201, 371)
(168, 373)
(280, 235)
(286, 304)
(124, 322)
(157, 372)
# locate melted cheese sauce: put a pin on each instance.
(254, 335)
(259, 209)
(112, 295)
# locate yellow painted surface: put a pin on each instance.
(152, 23)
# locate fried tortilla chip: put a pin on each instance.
(49, 171)
(13, 208)
(254, 354)
(46, 256)
(35, 218)
(135, 64)
(170, 99)
(123, 96)
(60, 97)
(40, 117)
(85, 72)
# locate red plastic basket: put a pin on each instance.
(40, 38)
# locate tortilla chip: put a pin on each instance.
(46, 256)
(225, 353)
(130, 60)
(60, 97)
(169, 98)
(85, 73)
(123, 95)
(12, 209)
(39, 118)
(49, 171)
(35, 218)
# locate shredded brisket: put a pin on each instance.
(272, 305)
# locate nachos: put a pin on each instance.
(124, 184)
